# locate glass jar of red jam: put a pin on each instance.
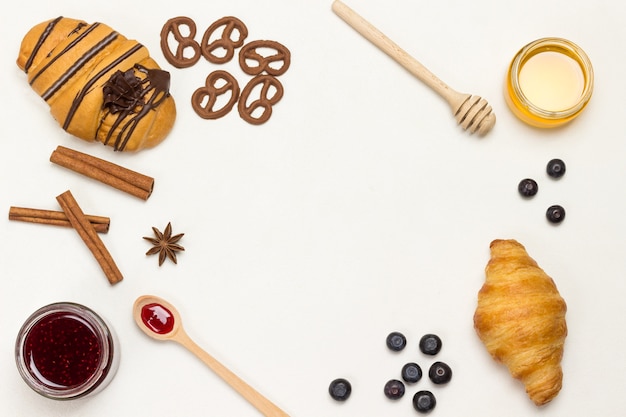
(66, 351)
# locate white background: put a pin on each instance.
(360, 208)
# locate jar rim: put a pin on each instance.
(559, 45)
(102, 332)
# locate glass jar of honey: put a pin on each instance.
(549, 82)
(66, 351)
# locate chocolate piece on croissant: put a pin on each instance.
(99, 85)
(520, 318)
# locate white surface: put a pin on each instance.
(358, 209)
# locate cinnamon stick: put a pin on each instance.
(55, 218)
(88, 234)
(123, 179)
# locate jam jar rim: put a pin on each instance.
(554, 44)
(104, 334)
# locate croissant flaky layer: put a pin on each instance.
(99, 85)
(520, 318)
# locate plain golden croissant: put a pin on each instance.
(520, 318)
(99, 85)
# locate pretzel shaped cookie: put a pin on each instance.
(178, 58)
(251, 53)
(225, 42)
(265, 85)
(205, 99)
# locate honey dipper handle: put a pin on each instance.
(262, 404)
(369, 32)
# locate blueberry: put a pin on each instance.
(394, 389)
(440, 373)
(340, 389)
(556, 168)
(430, 344)
(528, 187)
(555, 214)
(411, 372)
(396, 341)
(424, 401)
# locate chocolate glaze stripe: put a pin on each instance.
(81, 95)
(125, 133)
(155, 101)
(78, 27)
(63, 52)
(128, 128)
(79, 64)
(40, 42)
(157, 89)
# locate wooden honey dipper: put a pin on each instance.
(473, 113)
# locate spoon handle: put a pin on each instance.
(375, 36)
(265, 406)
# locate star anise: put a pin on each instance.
(165, 244)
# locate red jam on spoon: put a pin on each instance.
(157, 318)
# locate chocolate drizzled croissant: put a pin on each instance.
(520, 318)
(99, 85)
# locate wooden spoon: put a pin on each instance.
(471, 112)
(160, 320)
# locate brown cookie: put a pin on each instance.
(275, 64)
(259, 110)
(217, 84)
(229, 26)
(184, 43)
